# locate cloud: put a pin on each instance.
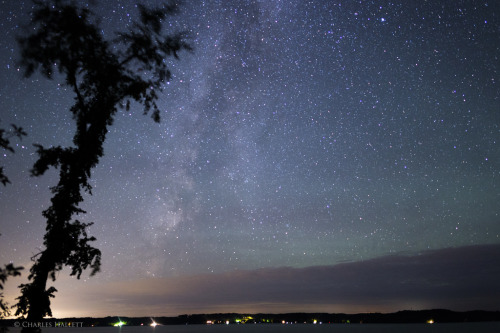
(464, 278)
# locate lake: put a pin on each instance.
(493, 327)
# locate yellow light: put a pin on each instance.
(154, 324)
(430, 321)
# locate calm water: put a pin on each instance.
(353, 328)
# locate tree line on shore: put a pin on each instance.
(407, 316)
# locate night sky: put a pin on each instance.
(336, 156)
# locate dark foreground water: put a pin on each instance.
(302, 328)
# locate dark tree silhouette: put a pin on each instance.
(105, 75)
(8, 270)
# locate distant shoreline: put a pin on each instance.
(400, 317)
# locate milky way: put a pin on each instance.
(297, 134)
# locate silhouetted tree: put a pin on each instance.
(8, 270)
(105, 75)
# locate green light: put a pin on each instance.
(119, 324)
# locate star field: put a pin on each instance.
(297, 134)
